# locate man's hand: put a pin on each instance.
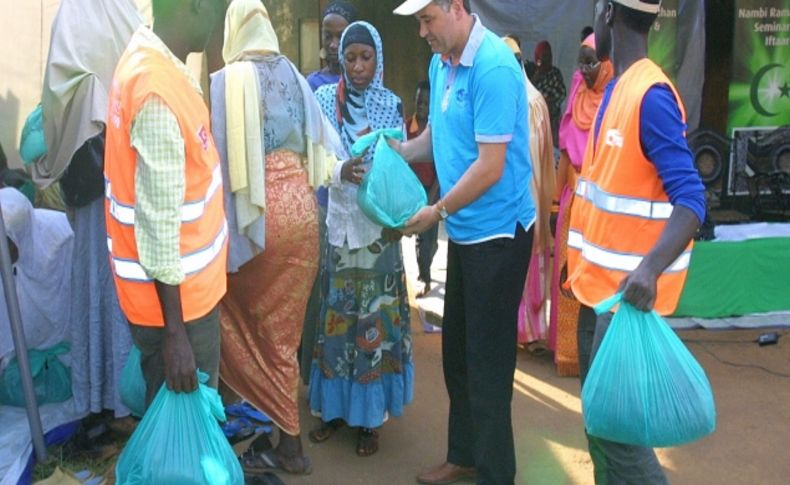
(423, 220)
(639, 288)
(179, 362)
(353, 171)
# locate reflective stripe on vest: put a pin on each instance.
(614, 260)
(618, 204)
(190, 263)
(190, 211)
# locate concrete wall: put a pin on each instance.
(24, 43)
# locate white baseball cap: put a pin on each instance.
(410, 7)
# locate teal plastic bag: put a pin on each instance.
(132, 388)
(51, 378)
(644, 387)
(32, 144)
(180, 442)
(390, 193)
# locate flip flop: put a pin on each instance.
(267, 478)
(258, 462)
(262, 462)
(300, 465)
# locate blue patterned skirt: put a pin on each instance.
(362, 370)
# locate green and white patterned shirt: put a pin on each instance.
(160, 182)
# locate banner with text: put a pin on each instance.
(760, 84)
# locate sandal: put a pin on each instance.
(325, 430)
(367, 442)
(261, 462)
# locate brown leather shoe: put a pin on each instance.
(446, 473)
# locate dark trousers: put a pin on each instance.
(614, 463)
(484, 286)
(427, 244)
(203, 335)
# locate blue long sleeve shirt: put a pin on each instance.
(662, 135)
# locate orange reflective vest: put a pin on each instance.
(141, 72)
(620, 208)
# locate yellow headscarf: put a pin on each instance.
(248, 33)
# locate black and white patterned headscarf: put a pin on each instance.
(356, 113)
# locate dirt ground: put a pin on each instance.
(750, 445)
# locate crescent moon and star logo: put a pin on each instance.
(770, 93)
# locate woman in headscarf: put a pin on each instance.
(548, 79)
(587, 90)
(336, 17)
(87, 40)
(275, 146)
(532, 323)
(362, 370)
(41, 244)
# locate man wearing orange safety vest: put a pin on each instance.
(166, 227)
(638, 202)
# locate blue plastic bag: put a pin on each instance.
(180, 442)
(51, 378)
(644, 387)
(132, 388)
(390, 193)
(32, 144)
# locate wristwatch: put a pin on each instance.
(442, 210)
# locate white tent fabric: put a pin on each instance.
(742, 232)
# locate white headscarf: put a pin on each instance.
(43, 271)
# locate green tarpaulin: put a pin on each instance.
(737, 278)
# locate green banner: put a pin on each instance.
(663, 39)
(760, 84)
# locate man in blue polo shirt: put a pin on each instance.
(478, 137)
